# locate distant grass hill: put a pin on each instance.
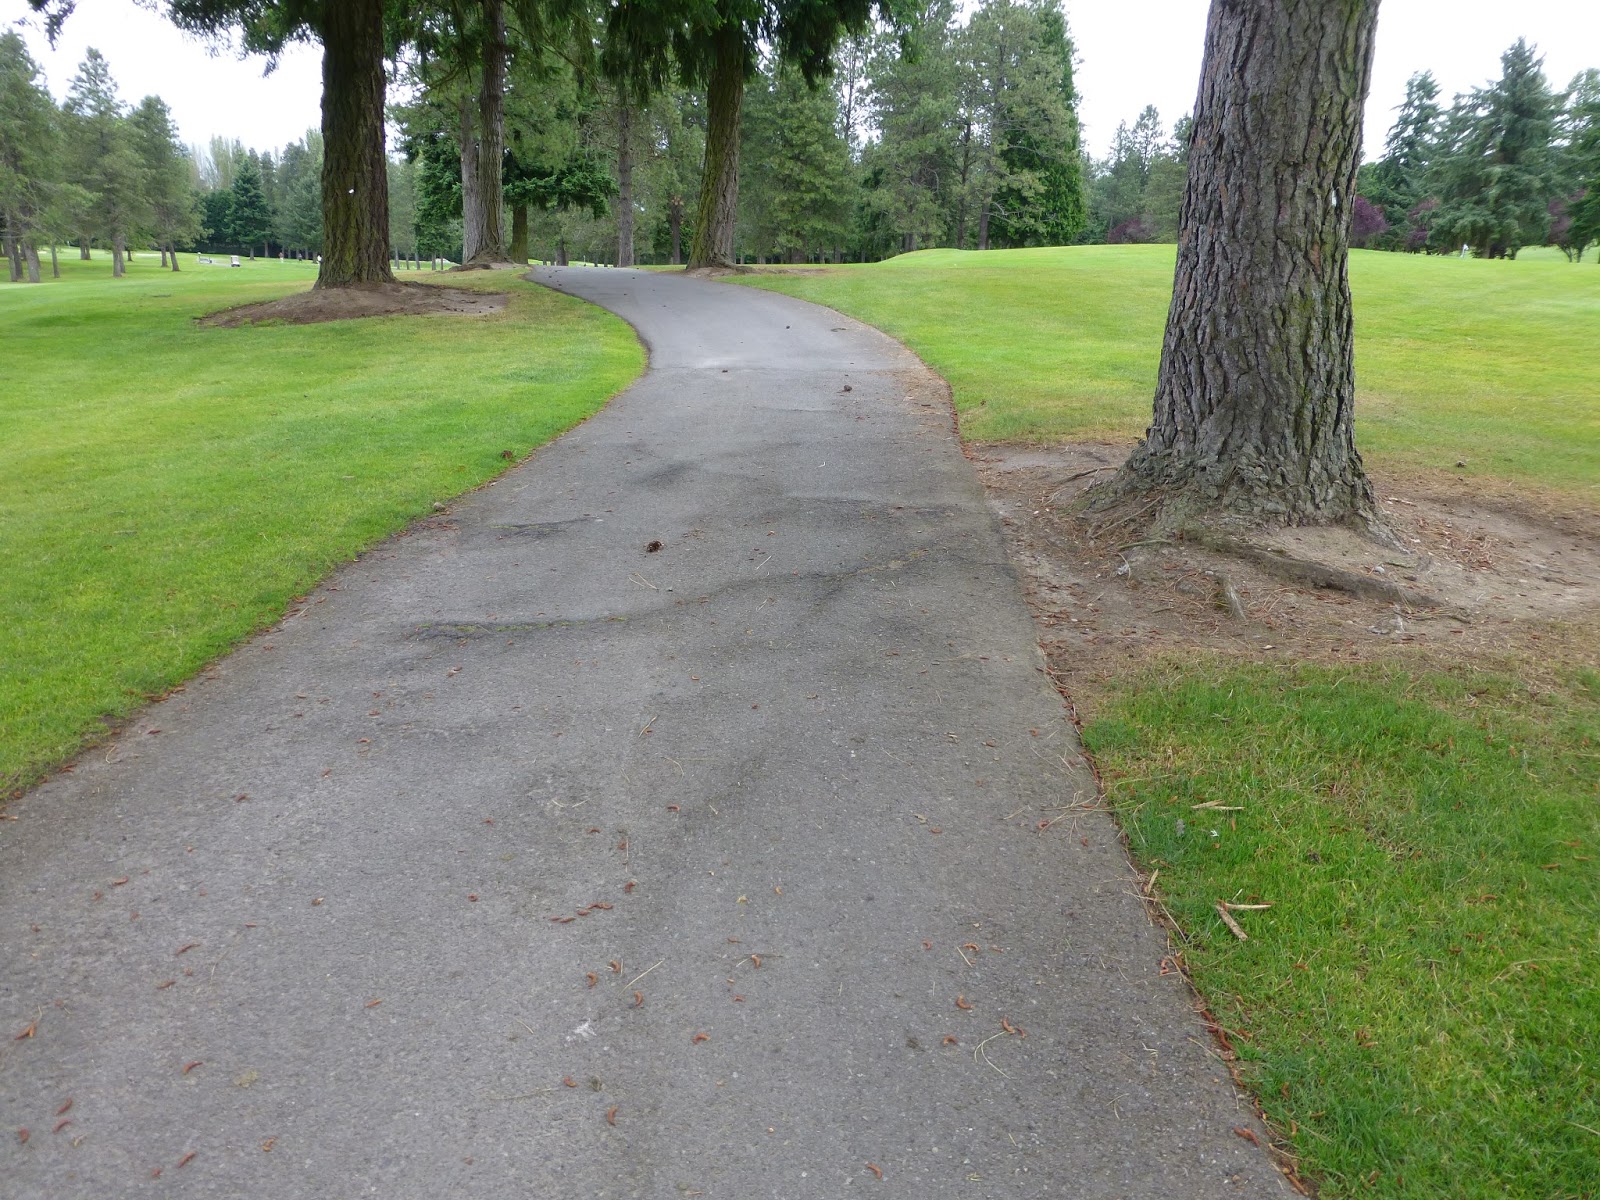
(1456, 359)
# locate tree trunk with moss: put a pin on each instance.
(355, 190)
(1255, 396)
(719, 186)
(624, 183)
(519, 233)
(483, 144)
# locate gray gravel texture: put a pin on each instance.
(792, 765)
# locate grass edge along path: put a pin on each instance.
(169, 489)
(1486, 363)
(1416, 1010)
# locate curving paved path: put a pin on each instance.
(792, 765)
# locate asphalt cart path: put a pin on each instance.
(685, 814)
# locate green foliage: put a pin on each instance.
(28, 144)
(1398, 182)
(172, 497)
(798, 186)
(1027, 173)
(102, 157)
(173, 208)
(911, 170)
(299, 198)
(1581, 166)
(250, 218)
(1138, 190)
(1494, 175)
(1416, 1004)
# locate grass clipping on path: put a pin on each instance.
(167, 489)
(1418, 1008)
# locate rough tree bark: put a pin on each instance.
(30, 254)
(355, 192)
(13, 253)
(483, 149)
(1253, 406)
(83, 249)
(519, 233)
(719, 186)
(118, 270)
(624, 183)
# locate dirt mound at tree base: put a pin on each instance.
(1482, 576)
(369, 300)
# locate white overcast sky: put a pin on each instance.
(1132, 53)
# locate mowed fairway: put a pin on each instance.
(167, 489)
(1417, 1010)
(1489, 362)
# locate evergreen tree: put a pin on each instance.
(672, 172)
(715, 44)
(1398, 182)
(173, 207)
(1040, 199)
(402, 207)
(1163, 187)
(102, 158)
(1580, 206)
(250, 218)
(28, 157)
(1495, 177)
(299, 207)
(798, 198)
(1124, 208)
(917, 171)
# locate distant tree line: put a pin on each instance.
(92, 170)
(550, 129)
(970, 139)
(1505, 166)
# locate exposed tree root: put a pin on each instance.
(1309, 573)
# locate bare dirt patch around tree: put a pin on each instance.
(1483, 575)
(349, 303)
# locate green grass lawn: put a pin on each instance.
(1421, 1005)
(1419, 1011)
(1490, 362)
(166, 489)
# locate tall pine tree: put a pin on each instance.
(1495, 177)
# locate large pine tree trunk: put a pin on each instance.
(13, 253)
(83, 249)
(483, 225)
(624, 184)
(55, 263)
(355, 191)
(172, 252)
(719, 185)
(118, 270)
(471, 207)
(1253, 407)
(30, 253)
(519, 233)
